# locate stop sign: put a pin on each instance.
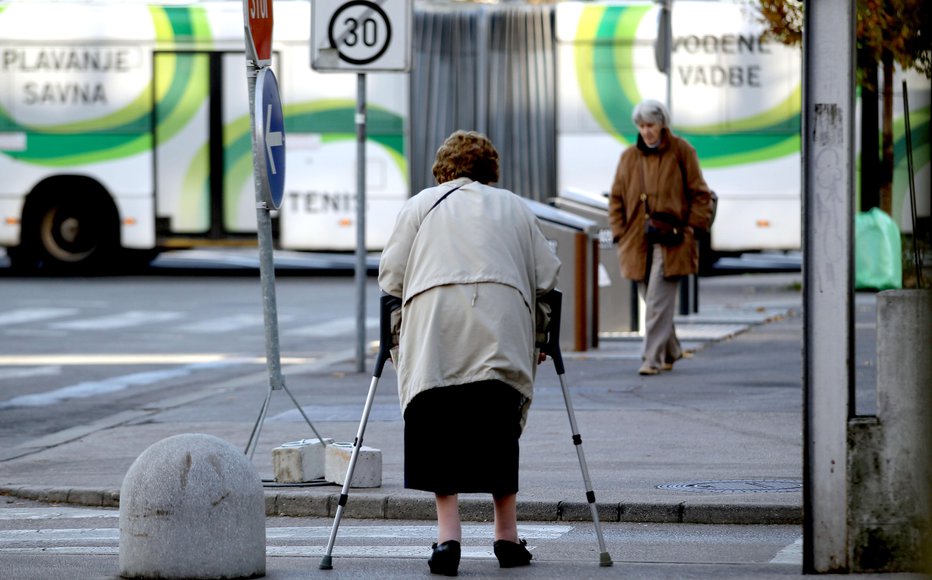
(258, 17)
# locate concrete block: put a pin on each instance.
(299, 461)
(368, 470)
(192, 506)
(889, 469)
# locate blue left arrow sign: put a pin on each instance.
(270, 137)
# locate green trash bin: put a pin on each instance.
(878, 259)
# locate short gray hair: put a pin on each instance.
(651, 111)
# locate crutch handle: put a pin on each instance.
(552, 347)
(387, 305)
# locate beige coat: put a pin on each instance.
(469, 274)
(674, 184)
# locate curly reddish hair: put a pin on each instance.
(466, 154)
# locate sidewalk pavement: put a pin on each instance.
(717, 440)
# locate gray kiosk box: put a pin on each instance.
(574, 239)
(617, 296)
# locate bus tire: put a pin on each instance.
(70, 231)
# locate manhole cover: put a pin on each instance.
(737, 486)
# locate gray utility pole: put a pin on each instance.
(360, 222)
(828, 219)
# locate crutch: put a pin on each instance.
(552, 348)
(387, 305)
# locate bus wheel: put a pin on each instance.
(72, 236)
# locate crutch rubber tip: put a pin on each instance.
(326, 563)
(605, 560)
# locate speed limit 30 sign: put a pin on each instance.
(361, 35)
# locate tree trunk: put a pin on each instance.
(870, 133)
(886, 171)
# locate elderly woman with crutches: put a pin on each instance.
(469, 262)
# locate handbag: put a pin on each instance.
(660, 227)
(663, 228)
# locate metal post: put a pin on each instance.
(828, 219)
(266, 266)
(667, 30)
(360, 222)
(267, 280)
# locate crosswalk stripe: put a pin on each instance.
(533, 532)
(228, 323)
(291, 533)
(466, 552)
(330, 328)
(23, 373)
(119, 320)
(111, 385)
(282, 541)
(131, 318)
(791, 554)
(276, 551)
(23, 315)
(55, 513)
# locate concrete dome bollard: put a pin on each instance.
(192, 506)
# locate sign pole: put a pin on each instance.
(360, 222)
(360, 36)
(266, 272)
(268, 165)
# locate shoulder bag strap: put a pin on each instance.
(643, 187)
(683, 177)
(443, 197)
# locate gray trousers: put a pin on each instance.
(659, 294)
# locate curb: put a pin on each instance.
(377, 506)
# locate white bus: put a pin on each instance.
(735, 98)
(125, 125)
(734, 95)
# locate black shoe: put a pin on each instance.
(511, 554)
(445, 559)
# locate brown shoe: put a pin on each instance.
(648, 370)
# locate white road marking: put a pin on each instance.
(277, 551)
(111, 385)
(120, 320)
(467, 552)
(282, 540)
(56, 513)
(22, 373)
(228, 323)
(792, 554)
(28, 360)
(331, 328)
(533, 532)
(23, 315)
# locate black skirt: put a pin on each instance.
(464, 439)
